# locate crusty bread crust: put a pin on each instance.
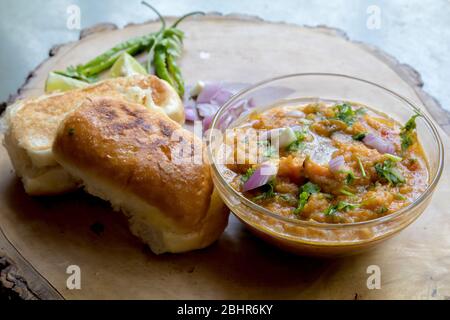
(139, 151)
(129, 155)
(32, 124)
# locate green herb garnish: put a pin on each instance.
(267, 193)
(71, 131)
(361, 167)
(359, 136)
(345, 113)
(388, 171)
(393, 157)
(406, 132)
(305, 192)
(247, 174)
(350, 176)
(381, 210)
(297, 144)
(399, 196)
(340, 206)
(346, 192)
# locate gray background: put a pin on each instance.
(416, 32)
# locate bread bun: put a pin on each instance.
(130, 156)
(31, 126)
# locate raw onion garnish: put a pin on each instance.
(209, 97)
(207, 110)
(378, 143)
(336, 164)
(286, 137)
(191, 114)
(261, 176)
(210, 89)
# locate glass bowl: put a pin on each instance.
(313, 238)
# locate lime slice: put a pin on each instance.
(126, 66)
(57, 82)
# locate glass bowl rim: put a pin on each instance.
(428, 191)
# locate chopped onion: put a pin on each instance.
(221, 96)
(209, 91)
(286, 137)
(207, 121)
(266, 172)
(207, 109)
(191, 114)
(195, 90)
(251, 103)
(336, 164)
(378, 143)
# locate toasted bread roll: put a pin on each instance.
(143, 163)
(31, 126)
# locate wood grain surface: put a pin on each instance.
(42, 236)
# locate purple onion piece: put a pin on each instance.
(251, 103)
(208, 92)
(336, 164)
(375, 142)
(207, 121)
(266, 172)
(221, 96)
(207, 109)
(191, 114)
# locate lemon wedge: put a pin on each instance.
(56, 82)
(126, 66)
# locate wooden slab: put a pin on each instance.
(46, 235)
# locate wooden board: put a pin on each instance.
(43, 236)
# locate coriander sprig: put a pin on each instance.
(406, 132)
(306, 191)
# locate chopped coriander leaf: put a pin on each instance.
(381, 210)
(288, 198)
(361, 167)
(406, 132)
(297, 144)
(407, 141)
(359, 136)
(393, 157)
(267, 193)
(305, 192)
(71, 131)
(399, 196)
(388, 171)
(346, 192)
(340, 206)
(330, 210)
(350, 177)
(411, 123)
(345, 206)
(345, 113)
(310, 187)
(247, 174)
